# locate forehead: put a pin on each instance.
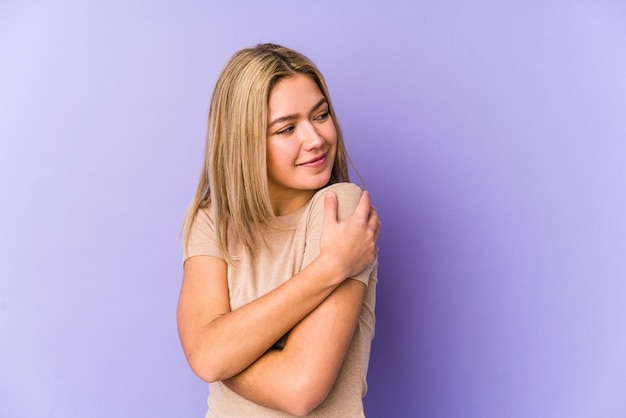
(295, 92)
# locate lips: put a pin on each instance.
(315, 162)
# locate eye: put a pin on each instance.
(322, 116)
(285, 131)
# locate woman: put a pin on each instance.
(276, 309)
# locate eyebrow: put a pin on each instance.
(291, 117)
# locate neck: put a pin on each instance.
(286, 203)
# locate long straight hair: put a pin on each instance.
(234, 172)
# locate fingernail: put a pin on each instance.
(329, 194)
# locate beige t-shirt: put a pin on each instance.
(286, 249)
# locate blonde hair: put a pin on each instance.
(234, 171)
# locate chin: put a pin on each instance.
(322, 182)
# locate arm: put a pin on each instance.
(298, 378)
(211, 334)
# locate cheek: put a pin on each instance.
(273, 151)
(277, 154)
(270, 157)
(331, 134)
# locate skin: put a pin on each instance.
(318, 305)
(301, 143)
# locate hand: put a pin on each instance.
(350, 245)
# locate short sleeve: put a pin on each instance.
(348, 196)
(202, 236)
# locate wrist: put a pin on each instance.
(331, 268)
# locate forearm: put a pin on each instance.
(299, 377)
(219, 343)
(226, 343)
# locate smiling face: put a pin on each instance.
(301, 143)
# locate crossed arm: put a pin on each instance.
(317, 306)
(298, 378)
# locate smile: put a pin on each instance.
(315, 162)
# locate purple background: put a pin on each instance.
(492, 137)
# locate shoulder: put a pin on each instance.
(348, 196)
(202, 239)
(344, 191)
(204, 219)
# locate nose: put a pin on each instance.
(311, 138)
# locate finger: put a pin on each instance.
(364, 207)
(373, 215)
(330, 207)
(374, 222)
(373, 219)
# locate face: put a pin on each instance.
(301, 143)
